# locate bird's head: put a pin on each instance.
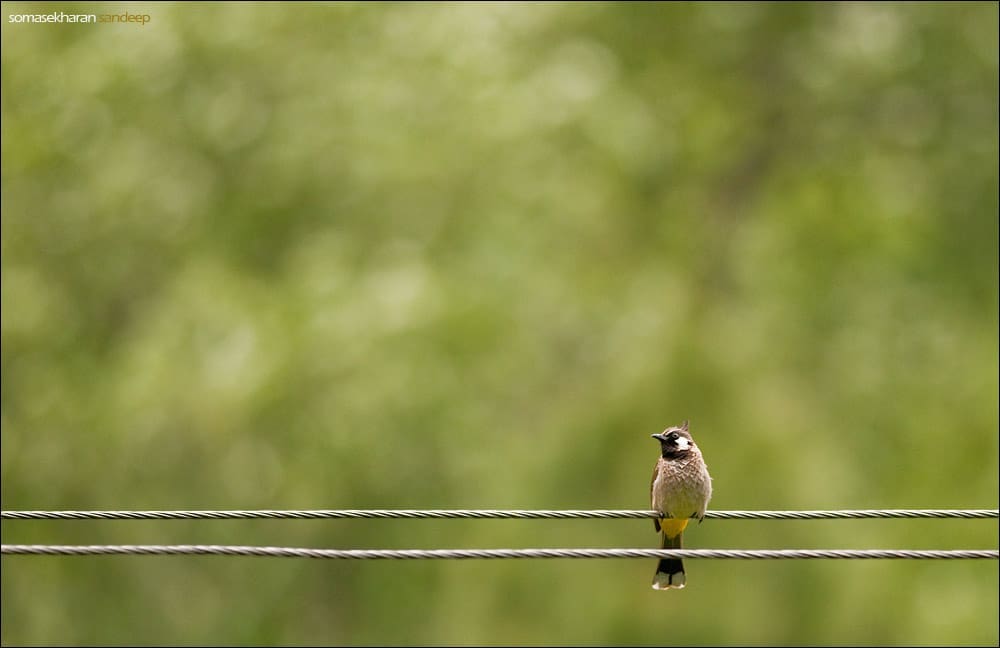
(675, 441)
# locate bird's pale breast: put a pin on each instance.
(681, 488)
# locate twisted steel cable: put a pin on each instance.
(488, 514)
(465, 554)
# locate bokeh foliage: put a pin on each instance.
(343, 255)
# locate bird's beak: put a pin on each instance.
(658, 436)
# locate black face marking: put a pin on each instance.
(675, 443)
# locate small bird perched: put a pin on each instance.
(680, 490)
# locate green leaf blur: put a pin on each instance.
(471, 255)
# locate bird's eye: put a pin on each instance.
(672, 436)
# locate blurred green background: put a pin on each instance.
(472, 256)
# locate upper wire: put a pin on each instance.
(490, 514)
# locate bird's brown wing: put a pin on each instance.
(656, 468)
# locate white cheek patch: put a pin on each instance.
(682, 443)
